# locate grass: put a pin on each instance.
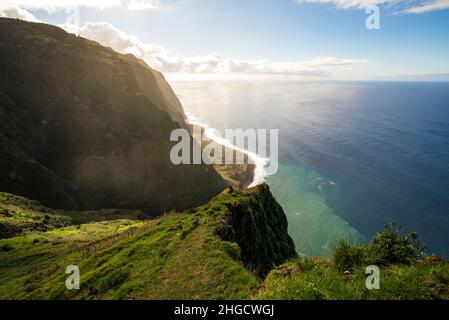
(174, 256)
(406, 273)
(184, 256)
(20, 216)
(318, 279)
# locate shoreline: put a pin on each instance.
(242, 176)
(250, 172)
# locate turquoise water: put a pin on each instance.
(313, 224)
(352, 155)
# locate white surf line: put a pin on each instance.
(259, 162)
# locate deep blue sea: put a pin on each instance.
(352, 155)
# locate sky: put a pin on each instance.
(274, 39)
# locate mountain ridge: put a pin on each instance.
(84, 127)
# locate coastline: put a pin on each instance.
(250, 174)
(240, 176)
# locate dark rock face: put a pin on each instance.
(259, 226)
(83, 127)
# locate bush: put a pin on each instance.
(386, 248)
(347, 256)
(392, 247)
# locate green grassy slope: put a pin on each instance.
(221, 250)
(19, 216)
(174, 256)
(405, 272)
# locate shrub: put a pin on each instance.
(387, 247)
(392, 247)
(347, 256)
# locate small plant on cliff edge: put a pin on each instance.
(347, 256)
(387, 247)
(391, 246)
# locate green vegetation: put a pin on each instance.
(319, 279)
(174, 256)
(405, 272)
(221, 250)
(387, 247)
(20, 216)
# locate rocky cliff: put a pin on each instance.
(259, 225)
(83, 127)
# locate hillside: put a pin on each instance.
(217, 251)
(221, 250)
(83, 127)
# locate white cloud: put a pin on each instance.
(349, 4)
(143, 4)
(408, 6)
(429, 6)
(14, 12)
(52, 6)
(161, 59)
(213, 64)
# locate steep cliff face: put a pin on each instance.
(259, 225)
(83, 127)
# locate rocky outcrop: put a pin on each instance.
(259, 226)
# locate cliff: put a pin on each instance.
(259, 226)
(83, 127)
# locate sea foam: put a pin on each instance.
(213, 134)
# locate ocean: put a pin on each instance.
(353, 156)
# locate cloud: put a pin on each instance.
(407, 6)
(14, 12)
(429, 6)
(143, 4)
(52, 6)
(161, 59)
(350, 4)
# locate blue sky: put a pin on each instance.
(318, 38)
